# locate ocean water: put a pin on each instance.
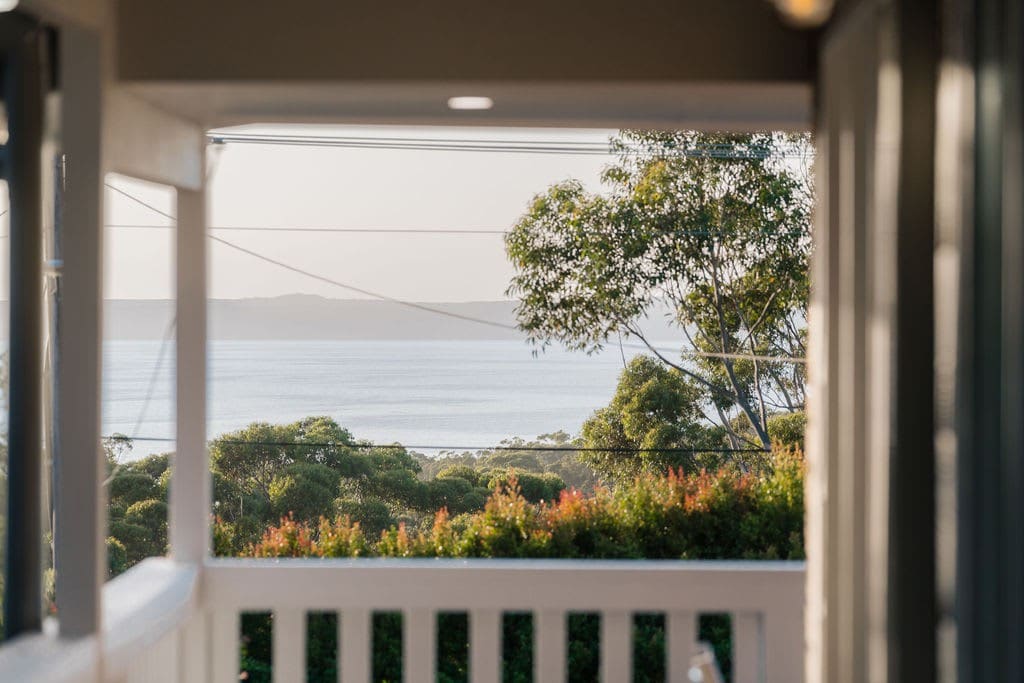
(420, 393)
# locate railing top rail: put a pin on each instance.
(143, 605)
(510, 585)
(139, 608)
(45, 658)
(525, 564)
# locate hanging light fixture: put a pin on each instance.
(806, 13)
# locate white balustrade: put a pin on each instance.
(759, 596)
(167, 622)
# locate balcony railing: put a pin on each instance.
(163, 622)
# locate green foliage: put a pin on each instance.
(117, 557)
(252, 457)
(465, 472)
(149, 514)
(137, 540)
(654, 407)
(700, 515)
(137, 506)
(561, 460)
(129, 487)
(723, 240)
(787, 429)
(304, 490)
(535, 488)
(153, 466)
(373, 515)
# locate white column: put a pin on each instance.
(852, 363)
(190, 483)
(80, 526)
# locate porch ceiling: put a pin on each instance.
(777, 106)
(727, 63)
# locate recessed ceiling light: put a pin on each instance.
(8, 5)
(470, 102)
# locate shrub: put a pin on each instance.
(534, 487)
(372, 515)
(130, 487)
(306, 490)
(137, 540)
(461, 472)
(703, 515)
(117, 557)
(151, 514)
(787, 429)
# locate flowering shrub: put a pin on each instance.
(704, 515)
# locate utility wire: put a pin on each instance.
(362, 446)
(150, 390)
(365, 292)
(409, 231)
(438, 311)
(139, 201)
(283, 228)
(586, 148)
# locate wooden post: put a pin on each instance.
(80, 525)
(190, 482)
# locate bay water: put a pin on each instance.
(430, 394)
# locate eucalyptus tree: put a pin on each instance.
(713, 228)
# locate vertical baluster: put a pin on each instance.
(226, 629)
(616, 646)
(784, 644)
(192, 649)
(681, 642)
(289, 656)
(418, 645)
(356, 646)
(747, 648)
(485, 645)
(549, 646)
(169, 664)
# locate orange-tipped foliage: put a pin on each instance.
(702, 515)
(340, 538)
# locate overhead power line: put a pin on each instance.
(367, 446)
(438, 311)
(360, 290)
(411, 231)
(510, 146)
(140, 202)
(279, 228)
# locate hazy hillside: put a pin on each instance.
(302, 316)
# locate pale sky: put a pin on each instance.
(268, 185)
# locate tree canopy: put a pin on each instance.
(714, 226)
(651, 424)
